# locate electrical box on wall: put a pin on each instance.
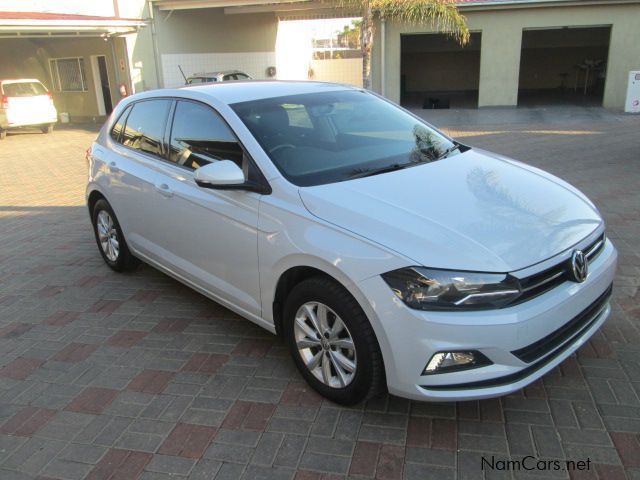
(632, 105)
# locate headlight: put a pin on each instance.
(433, 289)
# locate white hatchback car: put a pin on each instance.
(385, 253)
(24, 103)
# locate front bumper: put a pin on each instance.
(411, 337)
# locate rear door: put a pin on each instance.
(137, 145)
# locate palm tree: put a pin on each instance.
(441, 14)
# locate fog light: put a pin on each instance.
(443, 362)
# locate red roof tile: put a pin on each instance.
(55, 16)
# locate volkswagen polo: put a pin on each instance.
(388, 255)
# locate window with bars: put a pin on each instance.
(67, 74)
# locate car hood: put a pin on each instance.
(471, 211)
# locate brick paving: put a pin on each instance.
(106, 376)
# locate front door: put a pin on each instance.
(209, 236)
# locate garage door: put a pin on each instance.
(563, 66)
(436, 72)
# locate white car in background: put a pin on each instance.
(223, 76)
(386, 254)
(26, 103)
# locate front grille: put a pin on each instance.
(565, 333)
(550, 278)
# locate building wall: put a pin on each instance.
(501, 44)
(29, 58)
(342, 70)
(211, 31)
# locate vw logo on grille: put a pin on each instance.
(579, 266)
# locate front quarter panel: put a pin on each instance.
(289, 236)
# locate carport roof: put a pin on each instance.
(45, 24)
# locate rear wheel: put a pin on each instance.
(110, 238)
(332, 342)
(47, 128)
(3, 134)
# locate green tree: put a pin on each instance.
(442, 15)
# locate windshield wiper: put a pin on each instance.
(449, 150)
(377, 171)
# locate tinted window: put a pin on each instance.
(199, 136)
(118, 127)
(326, 137)
(228, 77)
(241, 76)
(24, 89)
(145, 126)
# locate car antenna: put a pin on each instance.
(183, 75)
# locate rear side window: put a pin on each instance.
(199, 136)
(118, 127)
(195, 80)
(145, 126)
(23, 89)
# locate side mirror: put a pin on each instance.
(226, 175)
(223, 173)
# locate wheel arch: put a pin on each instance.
(280, 278)
(92, 198)
(286, 282)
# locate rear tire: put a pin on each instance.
(47, 128)
(343, 362)
(3, 134)
(110, 238)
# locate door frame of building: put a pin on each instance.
(97, 83)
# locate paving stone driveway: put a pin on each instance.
(107, 376)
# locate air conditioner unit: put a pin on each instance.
(632, 105)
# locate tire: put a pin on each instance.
(367, 379)
(119, 259)
(3, 134)
(47, 128)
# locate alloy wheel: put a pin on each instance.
(108, 236)
(325, 344)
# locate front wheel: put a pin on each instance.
(3, 134)
(332, 342)
(47, 128)
(110, 238)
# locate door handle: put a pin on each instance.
(113, 167)
(164, 190)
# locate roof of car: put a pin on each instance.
(247, 90)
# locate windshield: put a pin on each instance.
(23, 89)
(327, 137)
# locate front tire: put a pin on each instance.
(3, 134)
(110, 238)
(47, 128)
(332, 342)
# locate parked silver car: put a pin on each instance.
(222, 76)
(386, 253)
